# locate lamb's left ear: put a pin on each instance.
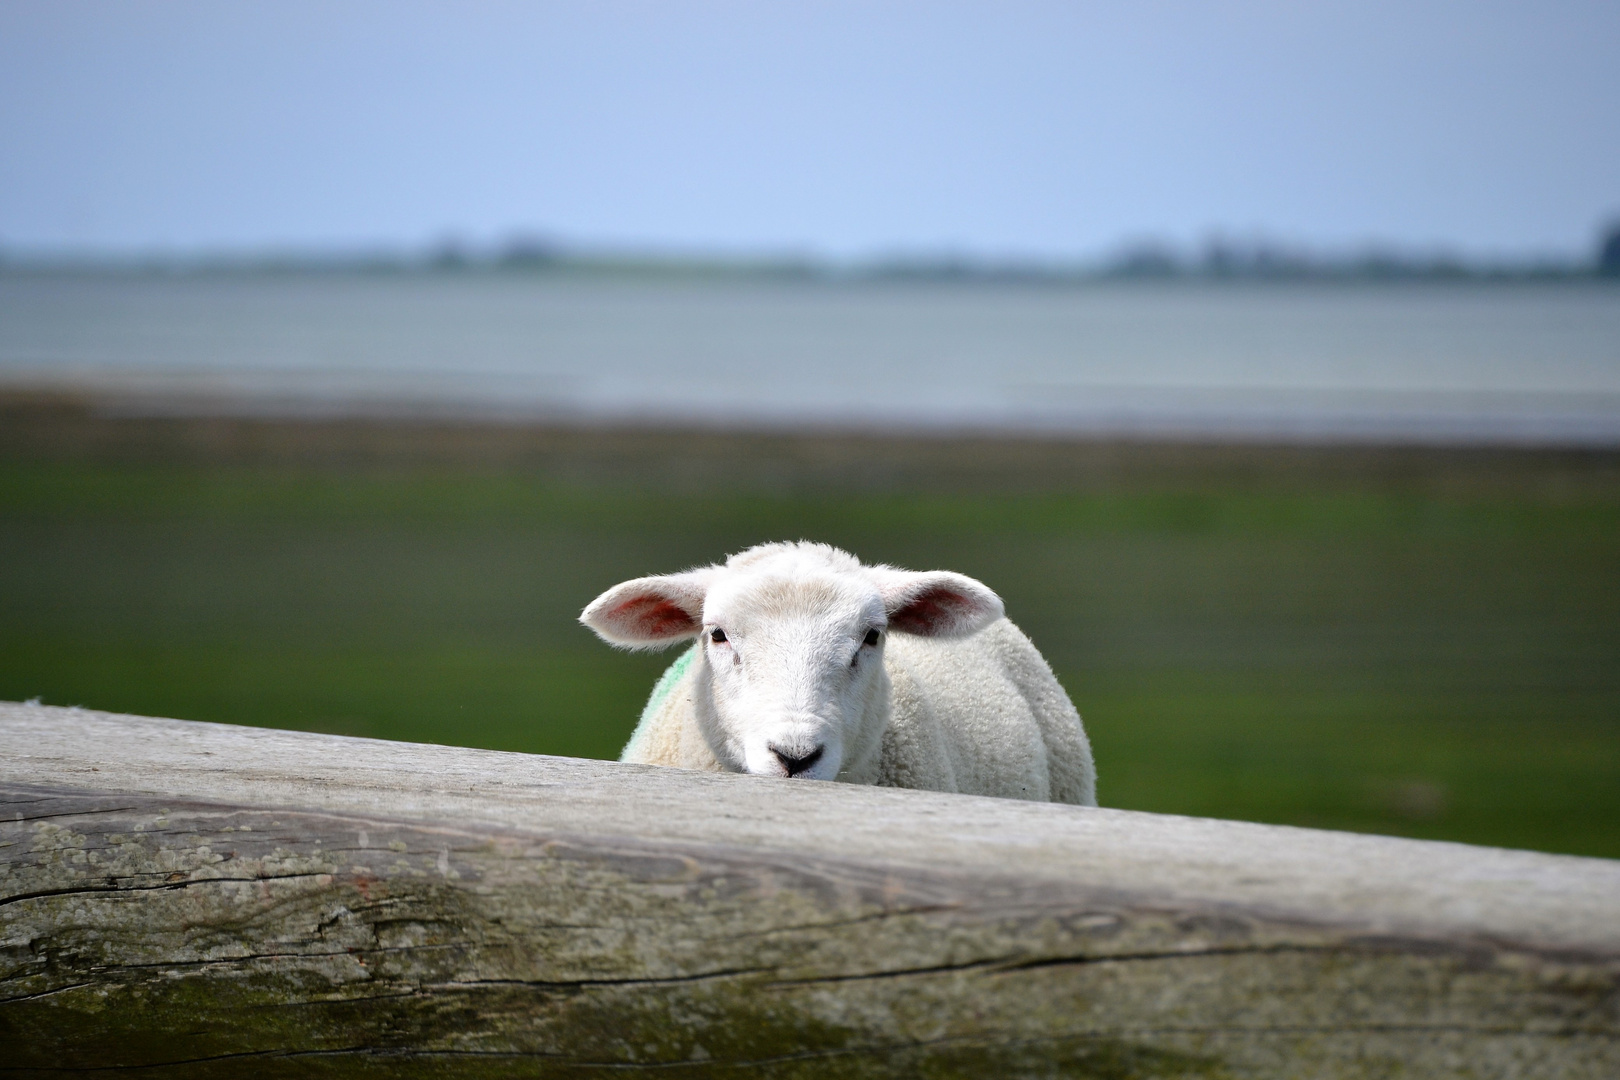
(650, 612)
(936, 603)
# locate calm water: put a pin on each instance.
(1491, 362)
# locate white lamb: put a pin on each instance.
(809, 664)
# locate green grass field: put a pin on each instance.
(1358, 642)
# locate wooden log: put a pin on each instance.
(198, 900)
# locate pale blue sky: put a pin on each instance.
(843, 129)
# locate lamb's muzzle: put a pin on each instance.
(797, 765)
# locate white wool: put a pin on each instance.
(953, 696)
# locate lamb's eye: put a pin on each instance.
(717, 635)
(871, 637)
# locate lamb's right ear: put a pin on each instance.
(649, 612)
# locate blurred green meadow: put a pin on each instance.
(1417, 642)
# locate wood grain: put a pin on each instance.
(198, 900)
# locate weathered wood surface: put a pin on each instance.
(195, 900)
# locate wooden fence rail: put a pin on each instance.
(197, 900)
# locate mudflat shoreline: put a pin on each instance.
(46, 426)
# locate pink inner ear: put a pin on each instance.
(653, 617)
(931, 610)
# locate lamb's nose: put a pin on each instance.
(797, 765)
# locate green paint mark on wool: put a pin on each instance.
(666, 683)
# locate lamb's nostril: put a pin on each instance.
(797, 765)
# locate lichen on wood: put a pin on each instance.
(198, 900)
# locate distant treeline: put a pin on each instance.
(1218, 259)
